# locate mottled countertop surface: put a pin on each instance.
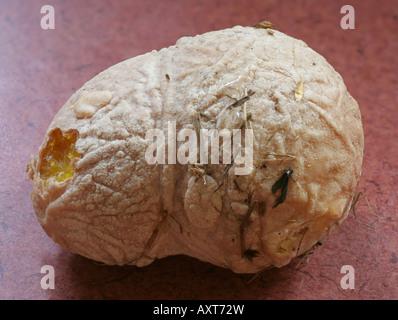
(40, 69)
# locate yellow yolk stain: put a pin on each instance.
(57, 155)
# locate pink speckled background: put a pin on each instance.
(40, 69)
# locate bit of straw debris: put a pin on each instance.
(247, 116)
(263, 25)
(154, 235)
(356, 199)
(227, 168)
(237, 103)
(179, 224)
(306, 254)
(299, 90)
(199, 169)
(354, 202)
(371, 211)
(237, 186)
(277, 157)
(298, 247)
(258, 273)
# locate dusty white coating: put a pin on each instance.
(118, 209)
